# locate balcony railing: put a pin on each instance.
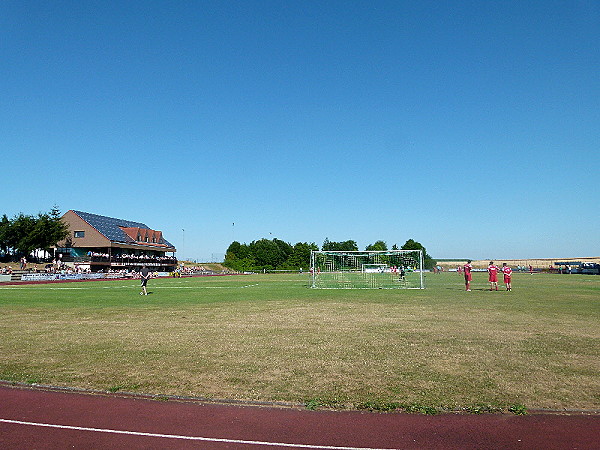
(126, 261)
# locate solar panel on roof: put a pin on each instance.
(109, 226)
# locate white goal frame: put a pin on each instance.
(345, 269)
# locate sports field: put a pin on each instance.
(271, 338)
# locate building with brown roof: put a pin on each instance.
(104, 243)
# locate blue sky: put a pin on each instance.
(472, 127)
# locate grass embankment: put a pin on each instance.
(270, 338)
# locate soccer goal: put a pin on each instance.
(389, 269)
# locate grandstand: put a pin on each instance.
(101, 243)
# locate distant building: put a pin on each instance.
(105, 243)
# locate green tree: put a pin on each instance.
(428, 261)
(284, 251)
(345, 246)
(300, 256)
(267, 254)
(377, 246)
(22, 234)
(234, 251)
(49, 229)
(5, 240)
(25, 233)
(241, 265)
(238, 258)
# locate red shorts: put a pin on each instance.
(493, 278)
(468, 276)
(507, 278)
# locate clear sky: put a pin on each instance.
(472, 127)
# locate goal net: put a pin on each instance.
(374, 268)
(389, 269)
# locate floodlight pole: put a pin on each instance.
(183, 245)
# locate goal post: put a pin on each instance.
(386, 269)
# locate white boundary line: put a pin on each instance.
(191, 438)
(205, 287)
(128, 286)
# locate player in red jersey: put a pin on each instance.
(493, 278)
(468, 277)
(507, 271)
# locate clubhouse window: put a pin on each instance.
(79, 234)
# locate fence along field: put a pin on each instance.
(538, 264)
(272, 338)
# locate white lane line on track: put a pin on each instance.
(191, 438)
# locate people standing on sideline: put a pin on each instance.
(507, 271)
(493, 275)
(468, 277)
(530, 269)
(145, 276)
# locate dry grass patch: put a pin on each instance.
(283, 342)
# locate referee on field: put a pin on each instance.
(145, 276)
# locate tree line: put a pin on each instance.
(275, 254)
(24, 234)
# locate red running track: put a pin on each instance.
(41, 419)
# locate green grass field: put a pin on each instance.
(271, 338)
